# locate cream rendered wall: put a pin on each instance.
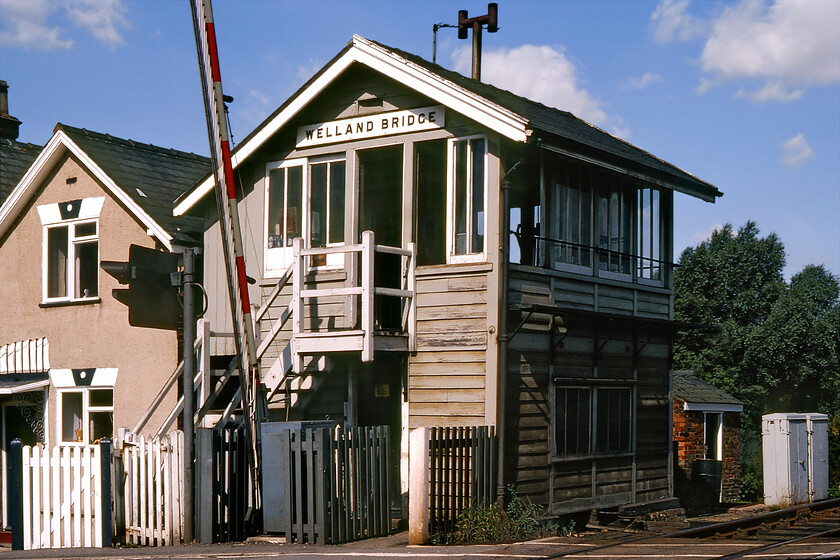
(85, 335)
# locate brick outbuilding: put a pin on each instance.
(707, 426)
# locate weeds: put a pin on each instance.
(519, 520)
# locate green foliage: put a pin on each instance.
(519, 520)
(834, 456)
(773, 345)
(752, 473)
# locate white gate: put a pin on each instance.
(153, 488)
(62, 497)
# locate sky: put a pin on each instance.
(744, 94)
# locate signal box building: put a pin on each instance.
(430, 250)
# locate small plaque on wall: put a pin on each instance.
(382, 390)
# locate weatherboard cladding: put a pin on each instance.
(161, 174)
(15, 159)
(694, 390)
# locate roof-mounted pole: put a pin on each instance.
(491, 18)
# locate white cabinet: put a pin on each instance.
(795, 453)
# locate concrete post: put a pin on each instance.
(418, 486)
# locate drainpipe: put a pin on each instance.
(503, 337)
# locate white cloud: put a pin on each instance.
(671, 21)
(262, 99)
(796, 151)
(39, 24)
(24, 24)
(539, 73)
(641, 82)
(103, 19)
(699, 236)
(787, 46)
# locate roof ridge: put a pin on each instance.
(134, 144)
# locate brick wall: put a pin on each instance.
(689, 445)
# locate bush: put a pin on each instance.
(752, 470)
(520, 520)
(834, 456)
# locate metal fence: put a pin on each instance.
(326, 485)
(224, 494)
(462, 473)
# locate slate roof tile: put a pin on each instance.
(161, 174)
(15, 159)
(694, 390)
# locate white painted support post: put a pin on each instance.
(202, 331)
(418, 486)
(297, 303)
(411, 280)
(367, 295)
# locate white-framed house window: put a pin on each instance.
(467, 194)
(304, 198)
(85, 404)
(70, 251)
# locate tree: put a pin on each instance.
(775, 346)
(729, 282)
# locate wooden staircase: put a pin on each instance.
(298, 358)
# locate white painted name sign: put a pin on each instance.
(371, 126)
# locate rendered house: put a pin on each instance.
(72, 368)
(517, 273)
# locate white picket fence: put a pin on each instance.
(153, 488)
(62, 501)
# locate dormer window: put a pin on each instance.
(70, 251)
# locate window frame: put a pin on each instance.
(277, 259)
(595, 387)
(87, 409)
(71, 271)
(470, 256)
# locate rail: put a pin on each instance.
(597, 260)
(365, 288)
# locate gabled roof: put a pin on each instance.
(15, 159)
(701, 396)
(510, 115)
(146, 179)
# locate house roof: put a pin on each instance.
(510, 115)
(145, 178)
(15, 159)
(701, 396)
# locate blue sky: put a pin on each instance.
(742, 93)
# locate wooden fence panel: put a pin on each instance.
(65, 496)
(336, 483)
(462, 472)
(153, 489)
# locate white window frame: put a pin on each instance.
(277, 259)
(87, 409)
(468, 257)
(51, 219)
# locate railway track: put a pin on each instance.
(766, 536)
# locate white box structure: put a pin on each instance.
(795, 453)
(817, 427)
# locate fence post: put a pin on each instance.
(15, 496)
(204, 485)
(418, 486)
(105, 491)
